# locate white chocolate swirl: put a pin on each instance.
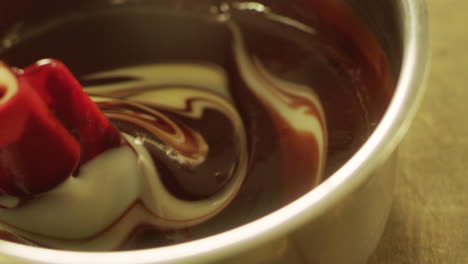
(122, 188)
(296, 105)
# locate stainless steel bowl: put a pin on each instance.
(341, 220)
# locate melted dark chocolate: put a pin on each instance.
(280, 161)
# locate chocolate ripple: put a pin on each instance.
(195, 157)
(207, 139)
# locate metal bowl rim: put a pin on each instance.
(387, 135)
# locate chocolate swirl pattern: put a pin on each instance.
(188, 155)
(297, 116)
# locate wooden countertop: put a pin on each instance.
(429, 219)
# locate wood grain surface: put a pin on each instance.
(429, 219)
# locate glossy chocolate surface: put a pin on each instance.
(229, 59)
